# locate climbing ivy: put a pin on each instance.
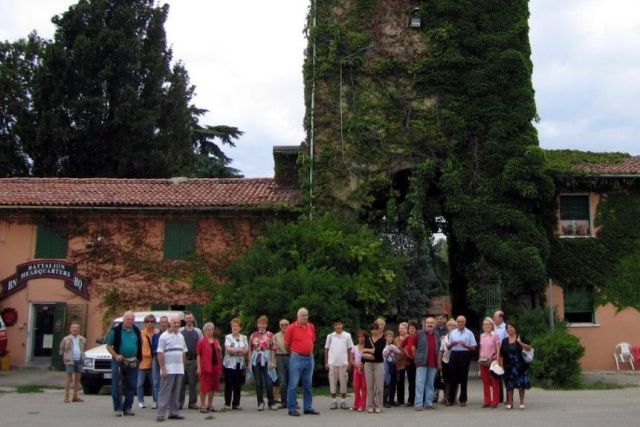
(607, 264)
(455, 97)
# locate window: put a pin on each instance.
(49, 243)
(179, 239)
(574, 216)
(578, 304)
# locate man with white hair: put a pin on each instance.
(299, 340)
(501, 330)
(501, 327)
(461, 343)
(171, 354)
(124, 343)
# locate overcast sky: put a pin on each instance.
(245, 58)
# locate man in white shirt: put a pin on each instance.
(171, 353)
(336, 361)
(501, 327)
(501, 330)
(461, 343)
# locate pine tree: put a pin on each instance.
(106, 100)
(18, 62)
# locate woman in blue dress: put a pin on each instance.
(516, 370)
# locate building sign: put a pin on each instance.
(43, 268)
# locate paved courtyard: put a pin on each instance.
(544, 408)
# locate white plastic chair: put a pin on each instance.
(622, 354)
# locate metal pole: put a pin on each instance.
(550, 305)
(312, 107)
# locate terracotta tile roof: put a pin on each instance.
(630, 166)
(168, 193)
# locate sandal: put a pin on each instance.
(204, 411)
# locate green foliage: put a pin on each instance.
(563, 161)
(18, 63)
(104, 99)
(211, 162)
(334, 267)
(454, 103)
(35, 388)
(557, 361)
(607, 264)
(535, 323)
(494, 183)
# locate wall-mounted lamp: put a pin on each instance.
(415, 21)
(89, 244)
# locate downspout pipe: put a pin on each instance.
(313, 104)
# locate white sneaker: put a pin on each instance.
(154, 406)
(142, 405)
(334, 405)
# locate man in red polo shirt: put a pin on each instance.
(299, 339)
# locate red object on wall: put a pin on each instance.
(9, 315)
(635, 351)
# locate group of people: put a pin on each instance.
(435, 356)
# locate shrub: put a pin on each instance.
(557, 360)
(334, 267)
(534, 323)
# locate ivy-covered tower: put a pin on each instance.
(419, 118)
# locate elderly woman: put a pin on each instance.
(489, 351)
(409, 346)
(209, 367)
(515, 368)
(401, 362)
(263, 356)
(236, 348)
(444, 357)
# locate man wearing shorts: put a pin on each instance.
(72, 351)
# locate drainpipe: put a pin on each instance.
(550, 304)
(313, 106)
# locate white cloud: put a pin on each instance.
(586, 57)
(246, 60)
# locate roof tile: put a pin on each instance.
(630, 166)
(169, 193)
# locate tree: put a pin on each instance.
(211, 160)
(453, 98)
(334, 267)
(18, 63)
(107, 100)
(495, 189)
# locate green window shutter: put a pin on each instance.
(59, 332)
(578, 300)
(574, 207)
(179, 239)
(50, 244)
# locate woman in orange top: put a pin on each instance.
(209, 367)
